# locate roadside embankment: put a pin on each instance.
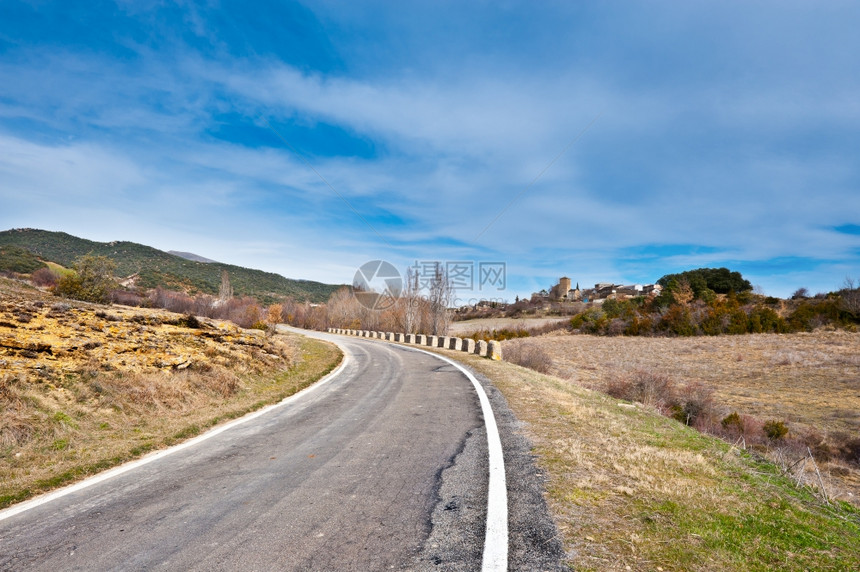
(84, 387)
(630, 489)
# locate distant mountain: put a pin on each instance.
(190, 256)
(154, 267)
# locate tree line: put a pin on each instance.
(715, 302)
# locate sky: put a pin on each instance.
(603, 141)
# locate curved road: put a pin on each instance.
(349, 476)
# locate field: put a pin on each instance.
(803, 378)
(811, 381)
(84, 387)
(632, 490)
(468, 327)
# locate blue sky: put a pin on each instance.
(611, 141)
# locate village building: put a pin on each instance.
(562, 292)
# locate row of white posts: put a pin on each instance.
(491, 349)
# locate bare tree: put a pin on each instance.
(343, 308)
(850, 297)
(410, 300)
(440, 299)
(226, 291)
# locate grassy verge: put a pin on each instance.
(83, 426)
(632, 490)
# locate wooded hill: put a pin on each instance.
(25, 250)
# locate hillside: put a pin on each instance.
(154, 267)
(84, 387)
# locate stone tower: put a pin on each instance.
(563, 286)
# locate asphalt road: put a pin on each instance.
(382, 467)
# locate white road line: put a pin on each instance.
(496, 535)
(48, 497)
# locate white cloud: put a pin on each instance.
(726, 145)
(70, 173)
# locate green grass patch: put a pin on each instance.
(60, 444)
(190, 431)
(64, 419)
(59, 269)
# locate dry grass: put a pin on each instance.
(468, 327)
(530, 355)
(803, 378)
(809, 380)
(85, 387)
(631, 489)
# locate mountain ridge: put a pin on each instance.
(190, 256)
(154, 268)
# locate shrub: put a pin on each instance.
(617, 327)
(499, 335)
(733, 424)
(617, 308)
(714, 322)
(851, 450)
(817, 444)
(678, 321)
(775, 430)
(764, 319)
(129, 298)
(528, 354)
(44, 277)
(695, 404)
(592, 321)
(652, 389)
(172, 301)
(639, 326)
(92, 280)
(800, 294)
(738, 322)
(244, 312)
(188, 321)
(273, 313)
(811, 314)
